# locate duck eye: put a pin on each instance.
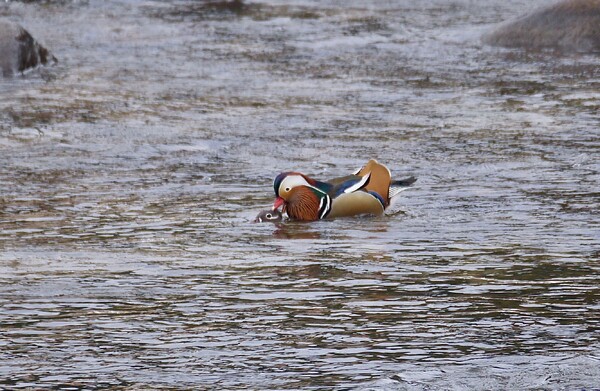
(269, 215)
(287, 189)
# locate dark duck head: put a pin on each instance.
(269, 216)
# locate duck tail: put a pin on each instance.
(396, 187)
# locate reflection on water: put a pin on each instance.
(130, 174)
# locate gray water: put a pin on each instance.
(130, 172)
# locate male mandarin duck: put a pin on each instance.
(370, 190)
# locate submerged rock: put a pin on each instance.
(19, 51)
(568, 26)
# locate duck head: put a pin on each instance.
(270, 216)
(299, 197)
(284, 183)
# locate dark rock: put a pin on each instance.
(19, 51)
(567, 26)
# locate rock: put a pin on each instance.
(19, 51)
(567, 26)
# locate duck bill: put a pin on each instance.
(278, 202)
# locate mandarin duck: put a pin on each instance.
(368, 191)
(271, 216)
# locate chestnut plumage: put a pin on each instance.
(302, 204)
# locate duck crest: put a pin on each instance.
(293, 179)
(278, 179)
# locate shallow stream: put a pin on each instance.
(130, 172)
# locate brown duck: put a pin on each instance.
(368, 191)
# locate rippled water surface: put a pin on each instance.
(129, 174)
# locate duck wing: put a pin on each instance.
(343, 185)
(380, 179)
